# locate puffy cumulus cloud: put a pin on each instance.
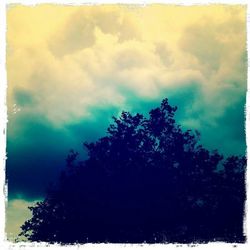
(17, 213)
(213, 43)
(70, 68)
(79, 29)
(92, 54)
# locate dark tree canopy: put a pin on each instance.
(146, 181)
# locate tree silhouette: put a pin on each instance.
(146, 181)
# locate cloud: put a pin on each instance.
(212, 44)
(17, 213)
(36, 151)
(76, 34)
(23, 97)
(35, 154)
(81, 65)
(105, 49)
(230, 125)
(79, 30)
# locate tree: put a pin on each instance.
(147, 180)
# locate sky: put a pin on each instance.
(71, 68)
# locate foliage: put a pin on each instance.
(147, 180)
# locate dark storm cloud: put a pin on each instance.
(36, 150)
(35, 153)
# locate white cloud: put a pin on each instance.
(89, 58)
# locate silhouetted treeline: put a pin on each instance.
(146, 181)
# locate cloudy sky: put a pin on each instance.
(70, 68)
